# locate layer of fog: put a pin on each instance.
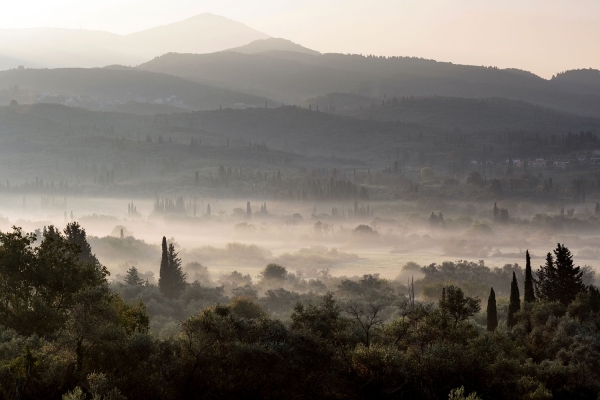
(306, 238)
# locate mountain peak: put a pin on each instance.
(272, 44)
(57, 47)
(202, 33)
(205, 16)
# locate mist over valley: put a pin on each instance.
(201, 209)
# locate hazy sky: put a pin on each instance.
(544, 36)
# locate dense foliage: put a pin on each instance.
(64, 332)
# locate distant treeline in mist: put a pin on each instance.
(286, 153)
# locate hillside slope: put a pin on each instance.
(290, 76)
(163, 152)
(107, 88)
(285, 80)
(489, 114)
(585, 81)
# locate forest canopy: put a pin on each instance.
(66, 331)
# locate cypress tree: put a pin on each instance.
(570, 277)
(163, 277)
(515, 302)
(133, 278)
(492, 312)
(529, 296)
(546, 275)
(442, 307)
(177, 275)
(559, 279)
(172, 279)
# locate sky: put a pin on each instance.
(542, 36)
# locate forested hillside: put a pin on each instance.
(293, 77)
(288, 81)
(485, 114)
(240, 152)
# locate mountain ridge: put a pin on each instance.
(294, 77)
(62, 47)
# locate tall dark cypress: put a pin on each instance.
(594, 298)
(545, 276)
(176, 275)
(529, 296)
(163, 279)
(172, 279)
(569, 277)
(492, 312)
(515, 302)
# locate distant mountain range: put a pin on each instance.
(292, 77)
(207, 62)
(55, 47)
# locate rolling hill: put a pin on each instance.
(293, 77)
(217, 52)
(586, 81)
(263, 74)
(488, 114)
(163, 152)
(117, 89)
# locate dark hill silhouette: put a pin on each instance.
(308, 133)
(108, 88)
(579, 80)
(281, 79)
(289, 76)
(491, 114)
